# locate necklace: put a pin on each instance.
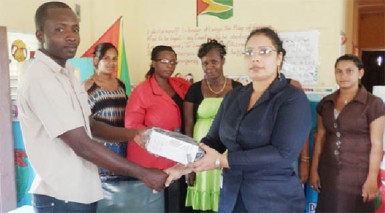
(109, 85)
(217, 92)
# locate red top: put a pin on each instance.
(147, 106)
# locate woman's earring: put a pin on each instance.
(279, 73)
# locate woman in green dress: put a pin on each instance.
(200, 107)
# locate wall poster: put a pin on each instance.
(301, 61)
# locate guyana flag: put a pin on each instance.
(222, 9)
(114, 35)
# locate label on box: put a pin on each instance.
(171, 148)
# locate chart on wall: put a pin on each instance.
(301, 61)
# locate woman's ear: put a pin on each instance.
(96, 62)
(361, 73)
(280, 60)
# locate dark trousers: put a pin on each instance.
(47, 204)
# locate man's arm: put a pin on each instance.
(98, 154)
(111, 133)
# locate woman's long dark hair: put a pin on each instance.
(270, 33)
(277, 42)
(350, 57)
(101, 49)
(154, 56)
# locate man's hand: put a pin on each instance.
(176, 172)
(154, 179)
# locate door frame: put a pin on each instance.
(7, 167)
(361, 7)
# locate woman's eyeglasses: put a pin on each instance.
(167, 62)
(260, 52)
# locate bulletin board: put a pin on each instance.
(301, 62)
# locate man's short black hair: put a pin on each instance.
(41, 12)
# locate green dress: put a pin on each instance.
(204, 195)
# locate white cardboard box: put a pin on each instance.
(171, 148)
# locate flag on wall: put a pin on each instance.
(222, 9)
(114, 35)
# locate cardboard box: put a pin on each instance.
(172, 145)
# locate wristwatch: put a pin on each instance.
(218, 162)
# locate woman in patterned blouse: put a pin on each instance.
(107, 99)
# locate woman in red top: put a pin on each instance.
(158, 101)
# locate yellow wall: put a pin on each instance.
(329, 17)
(18, 16)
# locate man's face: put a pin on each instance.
(60, 35)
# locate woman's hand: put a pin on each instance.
(176, 172)
(303, 171)
(139, 139)
(369, 190)
(315, 182)
(208, 162)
